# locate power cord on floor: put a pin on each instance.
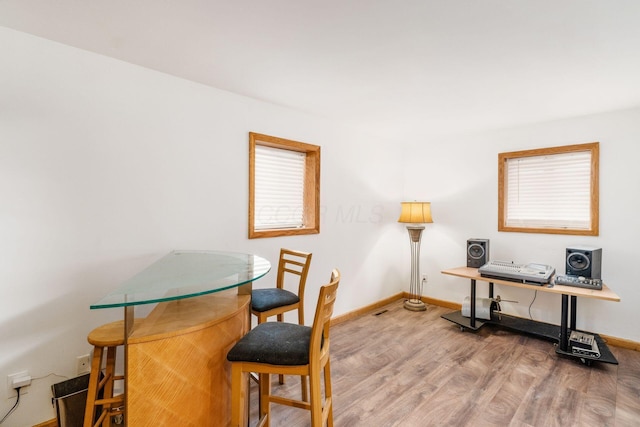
(534, 298)
(14, 406)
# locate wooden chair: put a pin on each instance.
(290, 349)
(276, 301)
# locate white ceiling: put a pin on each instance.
(404, 69)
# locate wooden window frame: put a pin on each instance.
(311, 214)
(593, 230)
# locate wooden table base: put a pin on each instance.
(177, 371)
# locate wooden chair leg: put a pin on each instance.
(303, 386)
(265, 403)
(303, 379)
(280, 318)
(328, 397)
(316, 398)
(237, 393)
(247, 405)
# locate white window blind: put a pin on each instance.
(279, 188)
(549, 191)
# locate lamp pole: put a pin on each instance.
(414, 214)
(414, 303)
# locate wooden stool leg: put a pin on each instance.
(92, 391)
(110, 372)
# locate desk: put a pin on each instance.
(175, 358)
(556, 333)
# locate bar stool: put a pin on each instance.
(101, 404)
(269, 302)
(291, 349)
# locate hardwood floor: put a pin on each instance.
(402, 368)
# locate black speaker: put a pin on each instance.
(477, 252)
(584, 261)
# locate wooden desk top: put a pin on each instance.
(472, 273)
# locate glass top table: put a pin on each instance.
(186, 274)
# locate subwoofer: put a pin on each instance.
(584, 261)
(477, 252)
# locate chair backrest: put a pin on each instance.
(319, 345)
(296, 263)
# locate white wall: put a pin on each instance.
(105, 167)
(459, 176)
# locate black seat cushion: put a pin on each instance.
(266, 299)
(275, 343)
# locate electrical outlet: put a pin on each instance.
(83, 364)
(11, 392)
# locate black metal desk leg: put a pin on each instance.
(564, 336)
(491, 290)
(472, 318)
(574, 304)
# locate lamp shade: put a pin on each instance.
(415, 212)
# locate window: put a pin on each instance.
(284, 187)
(549, 190)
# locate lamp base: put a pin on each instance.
(414, 305)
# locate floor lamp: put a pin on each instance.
(414, 214)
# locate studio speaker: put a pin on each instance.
(584, 261)
(477, 252)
